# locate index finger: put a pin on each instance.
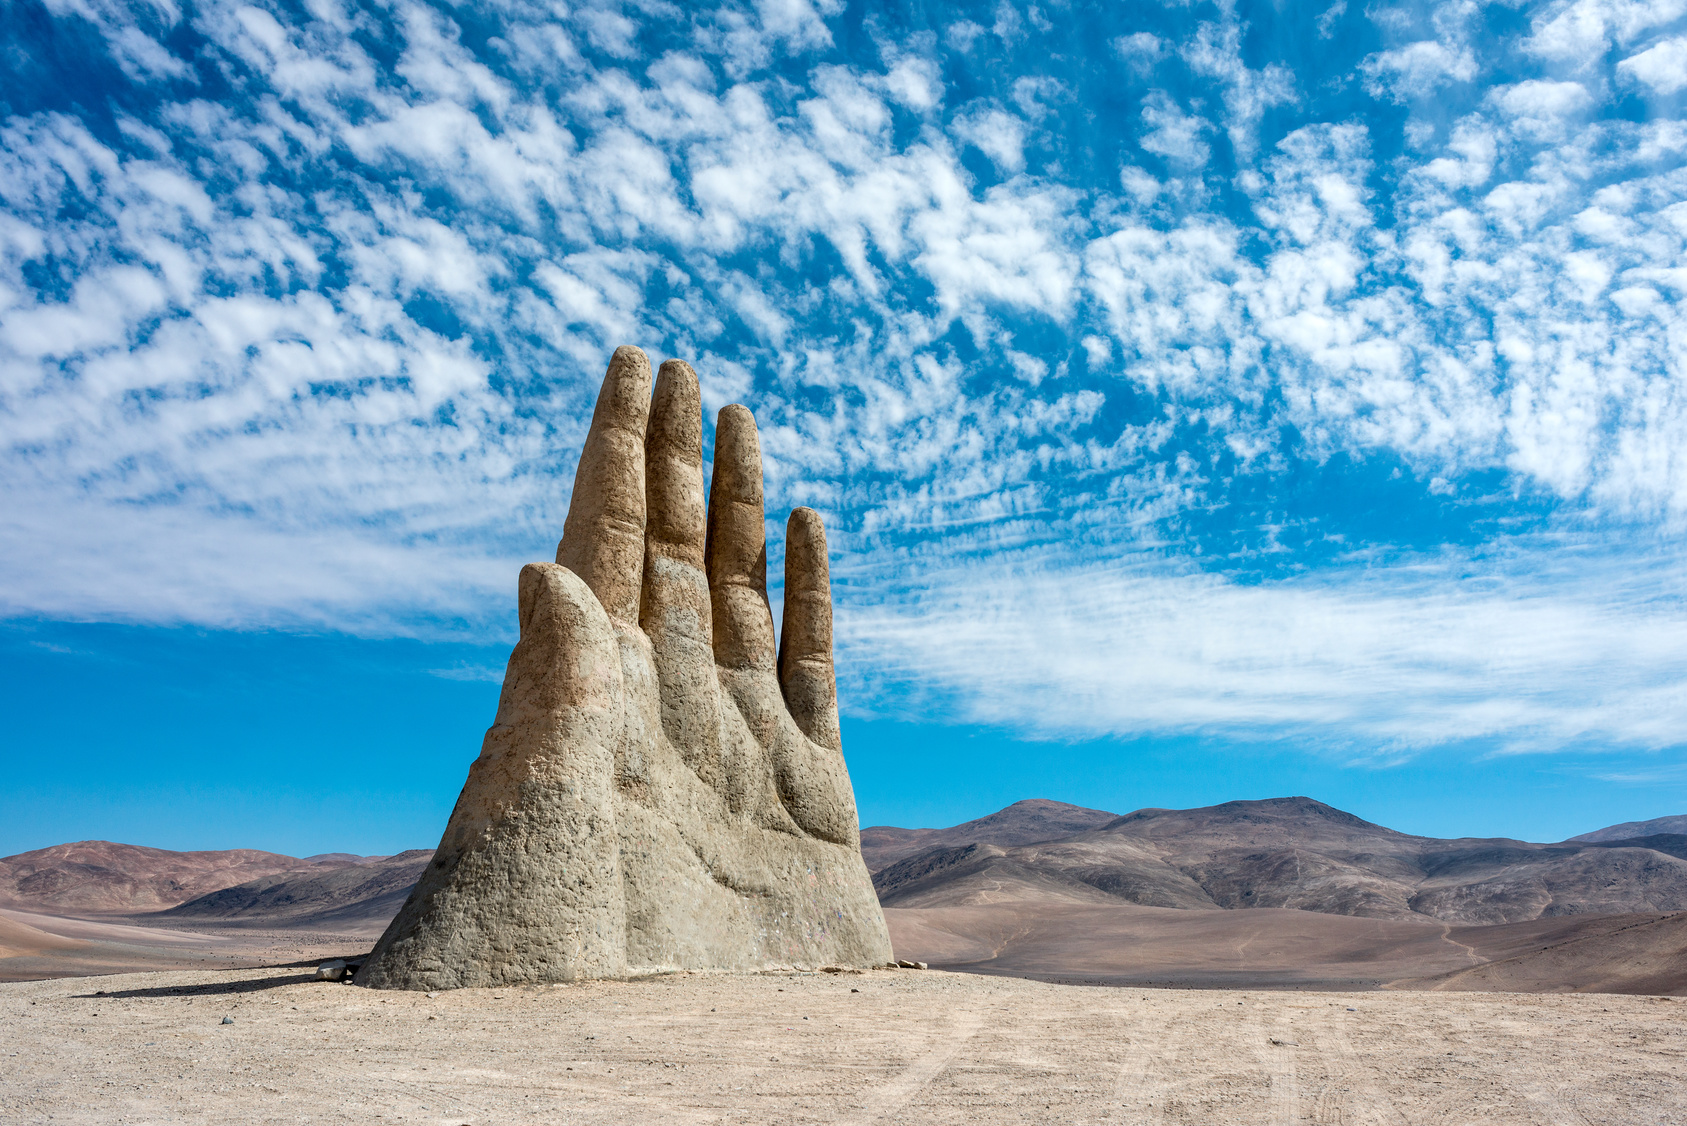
(603, 537)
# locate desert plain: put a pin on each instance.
(273, 1046)
(1046, 1002)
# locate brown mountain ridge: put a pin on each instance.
(101, 877)
(1284, 852)
(1280, 852)
(364, 895)
(1023, 822)
(1285, 892)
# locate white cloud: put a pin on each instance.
(1541, 110)
(1140, 50)
(962, 34)
(1662, 66)
(1330, 17)
(1173, 134)
(1580, 31)
(1099, 349)
(1216, 52)
(998, 135)
(1418, 69)
(915, 82)
(1439, 651)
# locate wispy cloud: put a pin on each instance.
(1427, 651)
(303, 325)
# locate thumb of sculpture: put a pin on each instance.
(623, 816)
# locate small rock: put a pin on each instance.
(1284, 1043)
(921, 966)
(431, 996)
(228, 1020)
(332, 970)
(905, 964)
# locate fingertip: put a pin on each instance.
(805, 551)
(529, 587)
(676, 412)
(676, 511)
(737, 473)
(603, 536)
(625, 397)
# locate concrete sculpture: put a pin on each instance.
(660, 790)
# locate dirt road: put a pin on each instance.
(888, 1046)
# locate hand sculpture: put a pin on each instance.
(660, 790)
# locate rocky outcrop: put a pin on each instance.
(661, 789)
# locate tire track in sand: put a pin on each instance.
(1352, 1092)
(1142, 1092)
(902, 1088)
(1276, 1047)
(1551, 1097)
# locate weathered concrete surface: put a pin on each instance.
(660, 790)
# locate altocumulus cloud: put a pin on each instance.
(1208, 367)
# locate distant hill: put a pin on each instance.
(364, 895)
(1631, 829)
(1285, 891)
(1023, 822)
(100, 877)
(103, 878)
(1289, 852)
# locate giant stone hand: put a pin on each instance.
(660, 789)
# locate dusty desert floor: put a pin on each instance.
(1269, 948)
(885, 1046)
(36, 946)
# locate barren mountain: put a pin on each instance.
(364, 895)
(1628, 830)
(1023, 822)
(94, 907)
(99, 877)
(1296, 853)
(1040, 889)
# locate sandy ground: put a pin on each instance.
(34, 946)
(887, 1046)
(1129, 945)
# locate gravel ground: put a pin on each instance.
(891, 1046)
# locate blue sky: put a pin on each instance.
(1204, 401)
